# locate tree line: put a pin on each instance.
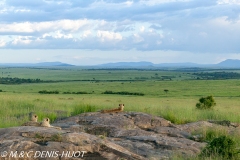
(217, 75)
(123, 93)
(9, 80)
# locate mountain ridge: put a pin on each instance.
(126, 64)
(228, 63)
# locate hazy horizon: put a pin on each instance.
(116, 63)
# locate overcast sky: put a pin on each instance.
(86, 32)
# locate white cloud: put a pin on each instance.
(137, 38)
(46, 35)
(228, 2)
(129, 3)
(179, 25)
(22, 10)
(2, 43)
(86, 34)
(61, 35)
(22, 40)
(142, 29)
(32, 27)
(108, 36)
(154, 2)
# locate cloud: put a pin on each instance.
(193, 37)
(2, 43)
(25, 3)
(108, 36)
(145, 25)
(228, 2)
(42, 27)
(51, 10)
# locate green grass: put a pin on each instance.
(80, 73)
(177, 105)
(82, 108)
(16, 106)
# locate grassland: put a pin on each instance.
(177, 105)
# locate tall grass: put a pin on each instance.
(177, 105)
(15, 108)
(83, 108)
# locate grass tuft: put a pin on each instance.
(82, 108)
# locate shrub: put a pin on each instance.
(206, 103)
(80, 92)
(208, 134)
(166, 90)
(124, 93)
(222, 146)
(67, 93)
(48, 92)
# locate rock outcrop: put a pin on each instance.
(122, 135)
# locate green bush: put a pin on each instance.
(208, 134)
(206, 103)
(222, 146)
(124, 93)
(48, 92)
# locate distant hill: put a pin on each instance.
(43, 64)
(188, 64)
(127, 64)
(53, 64)
(145, 64)
(230, 63)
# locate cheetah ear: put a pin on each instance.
(123, 104)
(119, 104)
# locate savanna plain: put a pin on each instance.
(59, 92)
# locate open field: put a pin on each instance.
(177, 104)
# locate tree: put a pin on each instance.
(166, 90)
(206, 103)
